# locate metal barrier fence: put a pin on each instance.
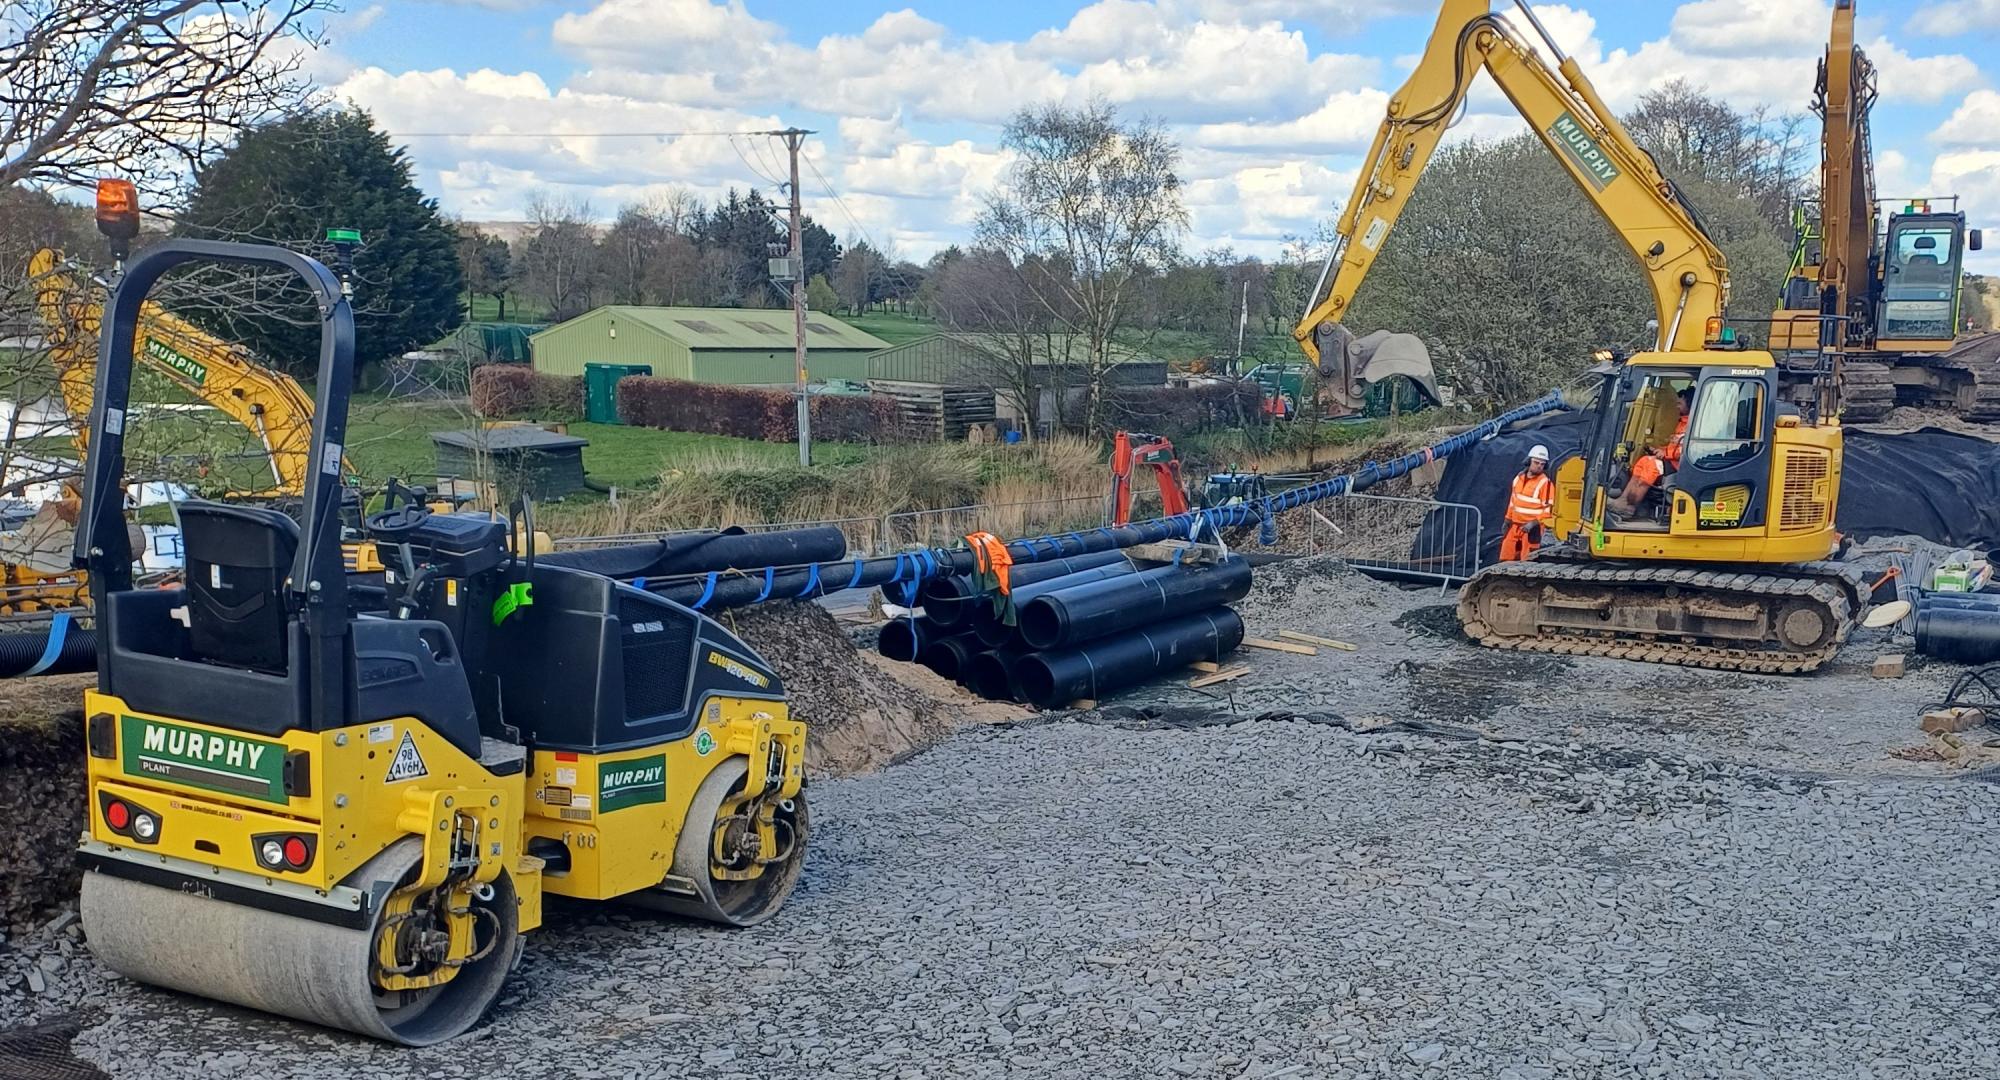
(1420, 538)
(943, 528)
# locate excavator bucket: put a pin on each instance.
(1348, 366)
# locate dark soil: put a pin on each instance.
(41, 794)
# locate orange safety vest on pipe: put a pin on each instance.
(1533, 499)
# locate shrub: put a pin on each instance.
(749, 413)
(1174, 410)
(517, 392)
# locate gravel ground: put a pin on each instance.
(1266, 899)
(1416, 859)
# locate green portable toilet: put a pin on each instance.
(600, 389)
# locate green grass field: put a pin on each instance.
(891, 327)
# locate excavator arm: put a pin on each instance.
(1685, 269)
(270, 404)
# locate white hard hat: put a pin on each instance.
(1538, 453)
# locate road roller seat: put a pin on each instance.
(237, 559)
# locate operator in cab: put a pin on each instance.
(1531, 507)
(1652, 468)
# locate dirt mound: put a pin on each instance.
(862, 711)
(41, 793)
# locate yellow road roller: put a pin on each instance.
(344, 802)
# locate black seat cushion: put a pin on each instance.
(237, 560)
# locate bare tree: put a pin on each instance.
(556, 262)
(142, 88)
(1092, 204)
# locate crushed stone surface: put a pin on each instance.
(1417, 859)
(1125, 895)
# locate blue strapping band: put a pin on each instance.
(707, 591)
(58, 630)
(812, 581)
(639, 583)
(770, 579)
(856, 579)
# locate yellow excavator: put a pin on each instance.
(1719, 564)
(1886, 288)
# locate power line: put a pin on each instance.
(752, 167)
(570, 134)
(827, 186)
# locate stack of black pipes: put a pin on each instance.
(1084, 627)
(1961, 627)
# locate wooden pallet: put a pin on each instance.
(936, 412)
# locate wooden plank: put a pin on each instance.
(1222, 676)
(1315, 639)
(1084, 703)
(1207, 667)
(1279, 646)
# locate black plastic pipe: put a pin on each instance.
(948, 656)
(906, 639)
(1964, 635)
(990, 674)
(699, 553)
(950, 601)
(716, 590)
(1974, 601)
(20, 652)
(1097, 668)
(1064, 617)
(995, 634)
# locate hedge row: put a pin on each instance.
(518, 392)
(1178, 410)
(748, 413)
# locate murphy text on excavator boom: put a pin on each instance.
(1719, 562)
(345, 805)
(1884, 290)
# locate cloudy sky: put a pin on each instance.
(1273, 100)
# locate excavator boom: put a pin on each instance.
(1683, 266)
(269, 403)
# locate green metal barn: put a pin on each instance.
(739, 346)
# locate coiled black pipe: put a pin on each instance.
(990, 674)
(20, 652)
(1097, 668)
(951, 601)
(1963, 634)
(1064, 617)
(948, 656)
(995, 634)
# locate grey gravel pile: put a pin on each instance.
(1145, 898)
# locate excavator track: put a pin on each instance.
(1868, 389)
(1784, 621)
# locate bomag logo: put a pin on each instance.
(631, 783)
(166, 354)
(741, 671)
(1581, 148)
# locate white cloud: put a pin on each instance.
(1976, 121)
(1956, 17)
(1346, 122)
(1752, 27)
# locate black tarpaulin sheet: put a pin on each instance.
(1940, 485)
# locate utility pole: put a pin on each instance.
(794, 138)
(1242, 324)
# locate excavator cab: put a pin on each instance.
(1923, 258)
